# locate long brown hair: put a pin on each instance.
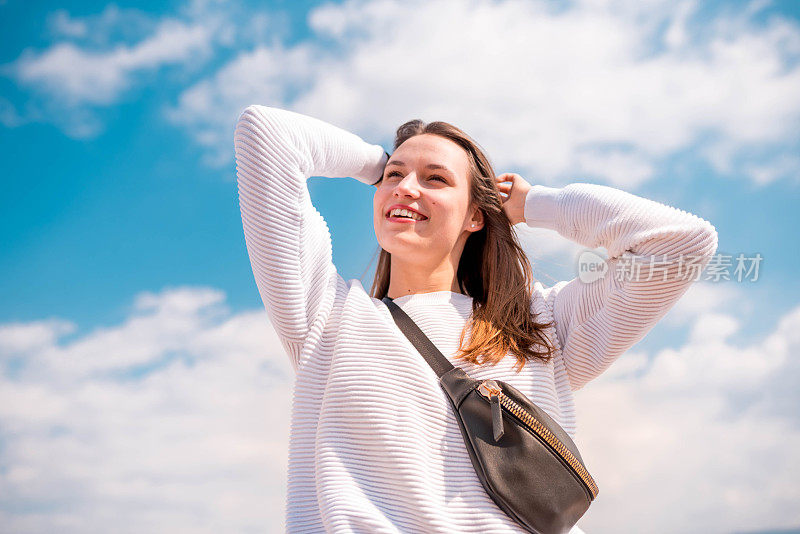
(493, 268)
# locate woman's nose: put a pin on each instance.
(408, 186)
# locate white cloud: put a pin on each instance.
(553, 258)
(97, 60)
(600, 89)
(74, 75)
(174, 421)
(703, 298)
(210, 108)
(63, 25)
(619, 169)
(785, 165)
(113, 25)
(177, 420)
(692, 440)
(20, 338)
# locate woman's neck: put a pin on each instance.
(408, 278)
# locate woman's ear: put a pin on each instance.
(476, 223)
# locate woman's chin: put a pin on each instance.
(402, 243)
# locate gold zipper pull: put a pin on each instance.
(491, 389)
(487, 388)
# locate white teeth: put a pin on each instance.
(405, 213)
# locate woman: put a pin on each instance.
(374, 446)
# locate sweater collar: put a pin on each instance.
(436, 297)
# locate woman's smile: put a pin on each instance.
(404, 214)
(404, 220)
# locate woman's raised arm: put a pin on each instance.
(655, 253)
(287, 239)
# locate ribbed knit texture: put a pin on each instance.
(374, 446)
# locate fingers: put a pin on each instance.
(508, 177)
(505, 191)
(504, 185)
(505, 182)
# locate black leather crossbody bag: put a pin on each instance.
(526, 462)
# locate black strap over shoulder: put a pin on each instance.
(426, 348)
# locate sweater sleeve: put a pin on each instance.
(287, 239)
(655, 252)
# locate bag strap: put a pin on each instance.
(432, 355)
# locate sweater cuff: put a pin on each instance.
(541, 207)
(372, 172)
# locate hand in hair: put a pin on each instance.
(515, 191)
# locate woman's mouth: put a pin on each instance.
(403, 220)
(400, 215)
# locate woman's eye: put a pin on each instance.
(432, 177)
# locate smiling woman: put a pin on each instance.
(465, 245)
(374, 445)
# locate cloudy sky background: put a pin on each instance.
(142, 388)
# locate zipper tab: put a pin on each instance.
(491, 390)
(497, 418)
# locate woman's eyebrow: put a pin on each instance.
(429, 166)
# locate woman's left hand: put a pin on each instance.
(517, 190)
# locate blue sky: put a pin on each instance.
(88, 222)
(120, 211)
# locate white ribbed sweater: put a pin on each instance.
(374, 447)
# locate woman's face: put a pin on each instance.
(429, 174)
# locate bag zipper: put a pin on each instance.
(492, 391)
